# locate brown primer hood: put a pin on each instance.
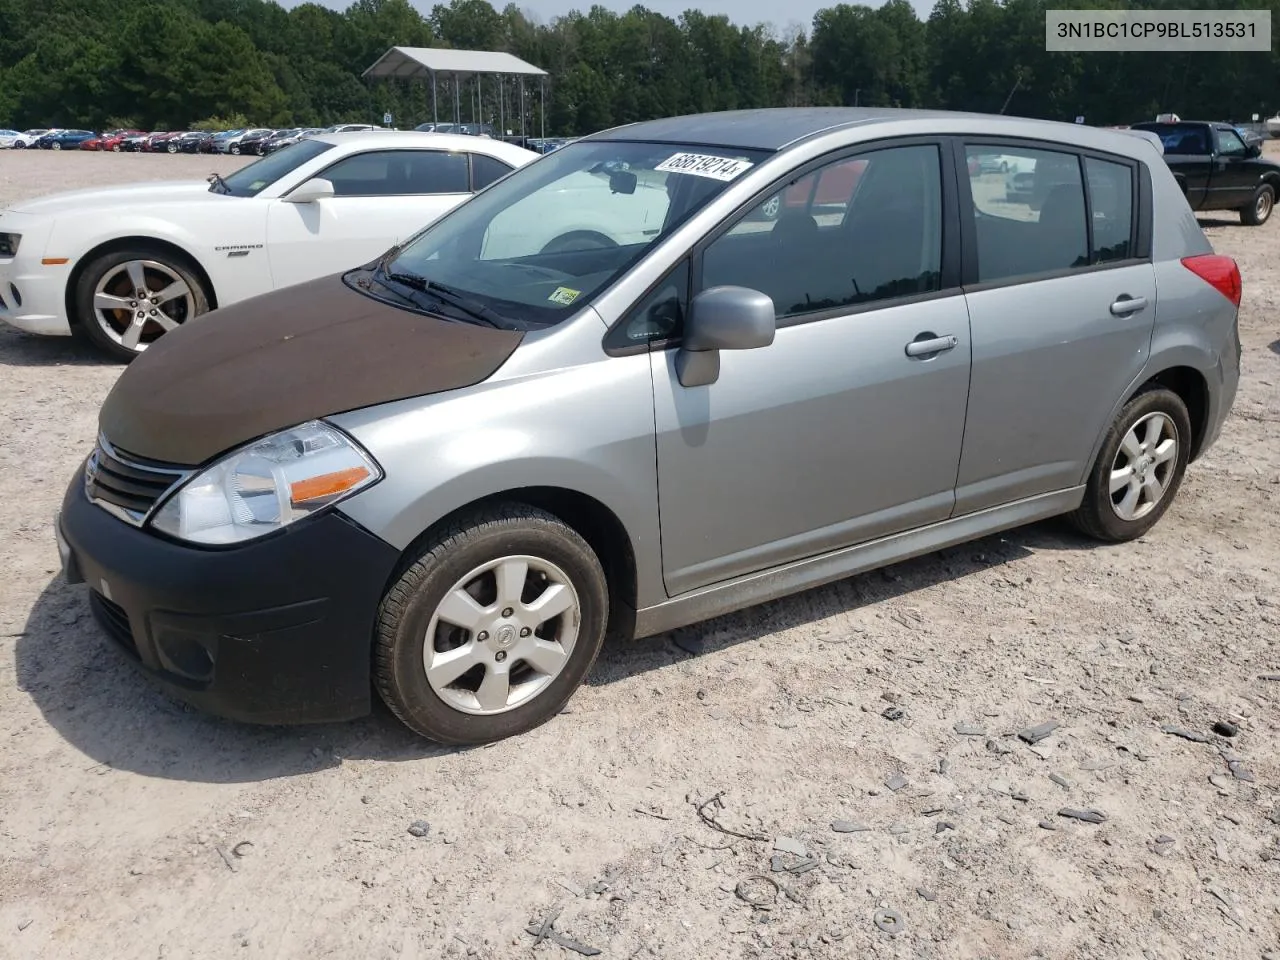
(288, 356)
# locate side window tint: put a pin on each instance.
(659, 316)
(485, 170)
(392, 173)
(1029, 211)
(430, 171)
(855, 231)
(1111, 198)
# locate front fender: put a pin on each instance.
(584, 428)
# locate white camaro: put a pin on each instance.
(125, 264)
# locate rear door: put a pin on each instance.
(1062, 299)
(380, 198)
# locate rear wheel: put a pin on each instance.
(55, 145)
(1259, 209)
(493, 627)
(127, 299)
(1139, 468)
(235, 149)
(172, 148)
(19, 145)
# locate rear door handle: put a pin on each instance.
(1126, 305)
(927, 344)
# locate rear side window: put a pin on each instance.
(485, 170)
(1111, 199)
(1029, 211)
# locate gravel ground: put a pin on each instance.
(132, 827)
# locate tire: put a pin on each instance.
(171, 148)
(1099, 515)
(235, 150)
(452, 713)
(1258, 210)
(111, 330)
(116, 148)
(19, 145)
(55, 146)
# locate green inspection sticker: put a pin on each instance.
(564, 295)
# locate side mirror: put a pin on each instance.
(1252, 150)
(722, 318)
(311, 191)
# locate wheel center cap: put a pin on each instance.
(504, 636)
(1143, 466)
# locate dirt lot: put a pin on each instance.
(131, 827)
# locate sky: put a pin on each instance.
(780, 13)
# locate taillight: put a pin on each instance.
(1219, 272)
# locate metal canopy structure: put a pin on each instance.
(422, 63)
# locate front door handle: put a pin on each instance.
(1126, 305)
(927, 344)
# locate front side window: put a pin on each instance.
(659, 315)
(538, 244)
(1230, 144)
(397, 173)
(251, 180)
(851, 232)
(1030, 220)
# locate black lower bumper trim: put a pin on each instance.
(277, 630)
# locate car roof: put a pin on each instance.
(414, 138)
(777, 128)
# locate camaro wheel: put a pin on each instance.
(1259, 209)
(492, 628)
(1139, 469)
(127, 299)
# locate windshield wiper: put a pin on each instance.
(477, 311)
(217, 184)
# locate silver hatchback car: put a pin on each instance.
(775, 349)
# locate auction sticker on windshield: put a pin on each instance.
(699, 165)
(564, 295)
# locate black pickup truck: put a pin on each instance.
(1217, 169)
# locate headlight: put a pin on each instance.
(9, 244)
(267, 485)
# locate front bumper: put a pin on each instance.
(273, 631)
(33, 295)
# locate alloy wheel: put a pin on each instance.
(1144, 466)
(136, 302)
(501, 635)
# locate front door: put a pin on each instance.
(380, 198)
(1061, 319)
(842, 430)
(1236, 178)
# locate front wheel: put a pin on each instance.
(235, 151)
(172, 148)
(128, 299)
(55, 146)
(1260, 206)
(492, 628)
(1139, 468)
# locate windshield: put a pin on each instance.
(251, 180)
(538, 244)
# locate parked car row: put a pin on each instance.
(253, 141)
(448, 450)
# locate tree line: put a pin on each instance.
(172, 64)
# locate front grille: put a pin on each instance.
(126, 484)
(112, 618)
